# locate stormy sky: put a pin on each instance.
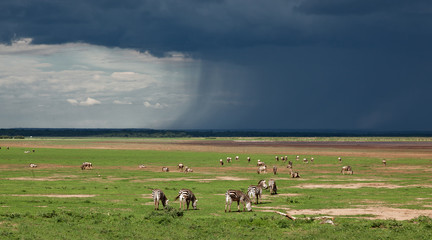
(215, 64)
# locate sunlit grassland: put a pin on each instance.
(113, 200)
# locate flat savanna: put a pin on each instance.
(112, 200)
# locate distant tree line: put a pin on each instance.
(152, 133)
(11, 137)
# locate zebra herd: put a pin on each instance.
(262, 167)
(186, 196)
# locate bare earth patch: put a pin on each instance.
(355, 186)
(226, 178)
(378, 212)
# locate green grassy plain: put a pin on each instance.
(58, 200)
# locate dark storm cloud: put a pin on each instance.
(266, 64)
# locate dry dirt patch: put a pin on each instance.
(226, 178)
(350, 185)
(378, 212)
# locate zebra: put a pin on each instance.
(259, 163)
(237, 196)
(347, 169)
(86, 165)
(294, 174)
(158, 195)
(262, 169)
(180, 166)
(290, 164)
(165, 169)
(274, 170)
(272, 186)
(257, 190)
(187, 196)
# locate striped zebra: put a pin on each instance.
(158, 195)
(256, 190)
(237, 196)
(186, 196)
(290, 164)
(347, 169)
(274, 170)
(86, 165)
(272, 186)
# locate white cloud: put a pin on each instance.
(122, 102)
(155, 106)
(88, 102)
(42, 74)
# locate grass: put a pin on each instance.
(121, 208)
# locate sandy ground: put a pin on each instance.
(386, 150)
(378, 212)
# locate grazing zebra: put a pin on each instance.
(274, 170)
(186, 196)
(165, 169)
(237, 196)
(248, 158)
(256, 190)
(272, 186)
(259, 163)
(86, 165)
(180, 166)
(347, 169)
(221, 162)
(289, 164)
(158, 195)
(384, 162)
(32, 165)
(262, 169)
(294, 174)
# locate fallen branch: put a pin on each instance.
(326, 219)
